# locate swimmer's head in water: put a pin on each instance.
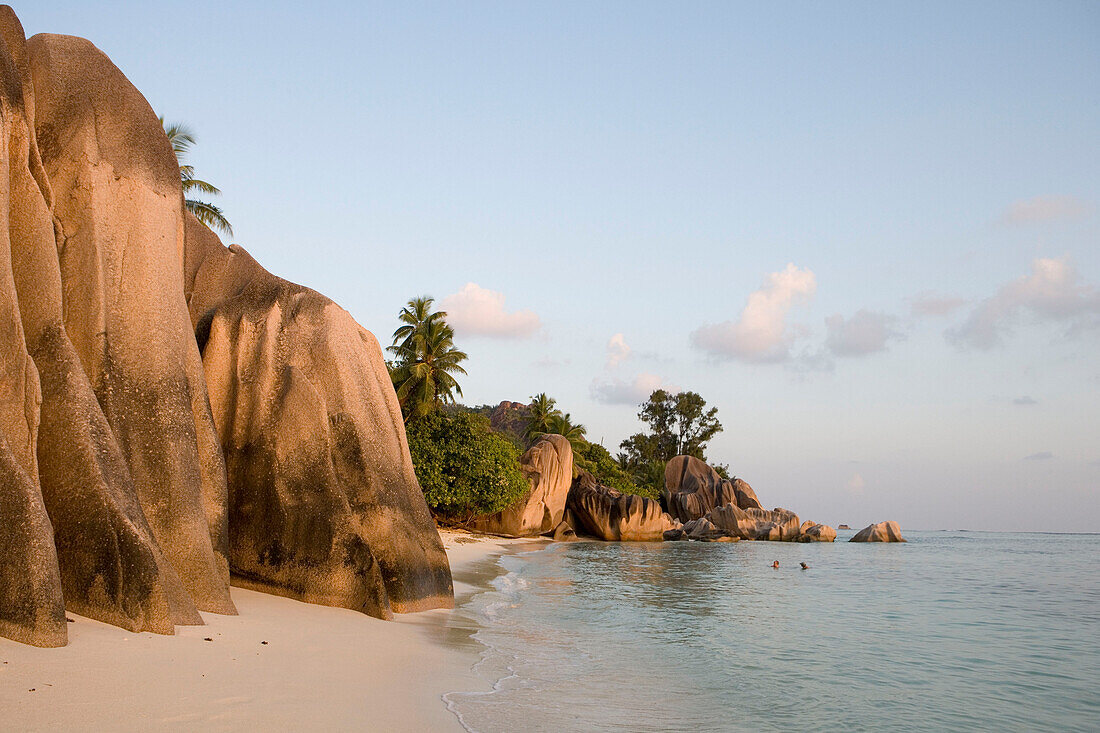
(775, 564)
(804, 566)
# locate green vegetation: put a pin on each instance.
(468, 469)
(679, 424)
(464, 468)
(182, 140)
(426, 360)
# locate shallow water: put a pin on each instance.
(950, 631)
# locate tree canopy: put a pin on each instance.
(679, 424)
(426, 360)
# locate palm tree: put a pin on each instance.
(416, 315)
(560, 424)
(542, 410)
(427, 359)
(212, 216)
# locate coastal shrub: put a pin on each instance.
(464, 469)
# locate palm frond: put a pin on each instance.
(209, 214)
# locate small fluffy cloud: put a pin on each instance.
(1052, 292)
(475, 311)
(1025, 400)
(864, 333)
(1043, 455)
(617, 392)
(1042, 209)
(761, 333)
(855, 484)
(930, 304)
(617, 350)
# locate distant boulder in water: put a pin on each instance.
(607, 514)
(692, 488)
(548, 466)
(814, 532)
(881, 532)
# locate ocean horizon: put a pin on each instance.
(953, 630)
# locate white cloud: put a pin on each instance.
(617, 351)
(1043, 455)
(1044, 208)
(761, 333)
(855, 484)
(1052, 293)
(617, 392)
(475, 311)
(930, 304)
(1026, 400)
(864, 333)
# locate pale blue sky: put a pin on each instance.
(642, 169)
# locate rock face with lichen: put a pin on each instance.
(114, 499)
(548, 466)
(607, 514)
(692, 488)
(881, 532)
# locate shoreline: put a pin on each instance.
(281, 664)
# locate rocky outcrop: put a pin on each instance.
(881, 532)
(510, 418)
(113, 493)
(777, 525)
(110, 566)
(116, 203)
(323, 502)
(548, 466)
(814, 532)
(692, 488)
(607, 514)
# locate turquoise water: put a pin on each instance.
(950, 631)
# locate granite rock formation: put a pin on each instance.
(323, 502)
(113, 494)
(703, 529)
(548, 466)
(116, 204)
(692, 488)
(608, 514)
(881, 532)
(814, 532)
(777, 525)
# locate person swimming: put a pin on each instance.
(775, 564)
(804, 566)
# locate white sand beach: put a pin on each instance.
(279, 665)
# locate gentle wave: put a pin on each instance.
(945, 632)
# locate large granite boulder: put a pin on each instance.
(692, 488)
(323, 502)
(702, 529)
(607, 514)
(109, 564)
(548, 466)
(881, 532)
(814, 532)
(116, 207)
(777, 525)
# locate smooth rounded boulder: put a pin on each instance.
(880, 532)
(323, 502)
(548, 466)
(692, 488)
(813, 532)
